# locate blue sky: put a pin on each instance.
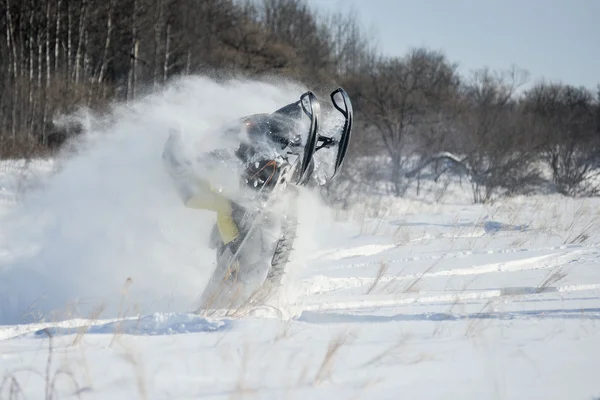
(554, 39)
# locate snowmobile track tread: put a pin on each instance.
(284, 248)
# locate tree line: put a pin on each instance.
(484, 126)
(414, 113)
(56, 55)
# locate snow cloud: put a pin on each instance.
(107, 231)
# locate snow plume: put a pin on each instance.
(313, 231)
(107, 233)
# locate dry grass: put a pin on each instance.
(519, 242)
(239, 303)
(383, 267)
(477, 325)
(14, 388)
(50, 376)
(574, 221)
(285, 332)
(138, 369)
(81, 331)
(393, 285)
(412, 286)
(121, 314)
(13, 385)
(401, 235)
(390, 354)
(457, 303)
(241, 387)
(326, 368)
(554, 277)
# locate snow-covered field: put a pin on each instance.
(425, 301)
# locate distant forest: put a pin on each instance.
(414, 112)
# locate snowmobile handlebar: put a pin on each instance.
(348, 114)
(326, 142)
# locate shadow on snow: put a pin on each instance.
(333, 318)
(157, 324)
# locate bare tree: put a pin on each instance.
(571, 142)
(396, 98)
(498, 154)
(106, 57)
(294, 23)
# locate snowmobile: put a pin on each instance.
(256, 226)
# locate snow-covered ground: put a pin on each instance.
(426, 300)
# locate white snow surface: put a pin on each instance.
(100, 267)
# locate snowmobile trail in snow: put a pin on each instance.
(321, 284)
(377, 250)
(338, 318)
(379, 282)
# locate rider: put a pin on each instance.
(265, 133)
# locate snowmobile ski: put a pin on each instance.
(348, 114)
(312, 108)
